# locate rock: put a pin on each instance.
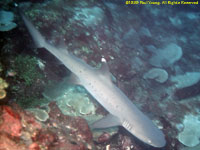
(11, 122)
(151, 48)
(73, 101)
(131, 39)
(75, 128)
(176, 21)
(145, 32)
(103, 135)
(88, 16)
(7, 143)
(188, 92)
(19, 129)
(191, 148)
(136, 63)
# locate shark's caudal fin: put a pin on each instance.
(37, 37)
(40, 41)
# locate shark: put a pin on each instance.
(98, 82)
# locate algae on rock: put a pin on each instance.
(26, 67)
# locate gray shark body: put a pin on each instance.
(98, 83)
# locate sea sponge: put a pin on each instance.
(186, 80)
(159, 75)
(166, 56)
(191, 133)
(6, 18)
(39, 114)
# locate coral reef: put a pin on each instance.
(6, 21)
(19, 129)
(186, 80)
(77, 104)
(3, 86)
(188, 92)
(26, 80)
(40, 114)
(26, 68)
(72, 100)
(132, 41)
(159, 75)
(88, 16)
(2, 93)
(76, 127)
(166, 56)
(4, 4)
(190, 134)
(30, 101)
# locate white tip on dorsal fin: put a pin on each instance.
(104, 71)
(103, 59)
(104, 67)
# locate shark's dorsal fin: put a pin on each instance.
(106, 122)
(104, 67)
(104, 72)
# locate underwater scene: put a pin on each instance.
(99, 75)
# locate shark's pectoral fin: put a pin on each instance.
(106, 122)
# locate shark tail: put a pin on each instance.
(40, 41)
(37, 37)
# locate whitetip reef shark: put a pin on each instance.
(122, 112)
